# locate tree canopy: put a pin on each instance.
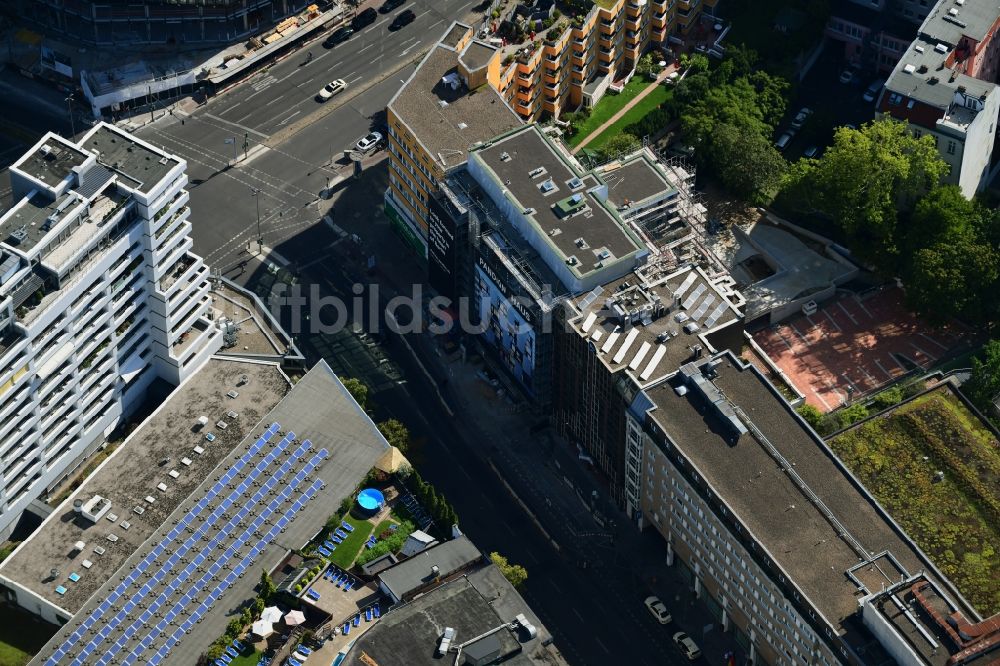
(358, 390)
(514, 573)
(865, 181)
(984, 383)
(396, 434)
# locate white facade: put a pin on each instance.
(100, 296)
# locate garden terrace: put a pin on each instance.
(935, 467)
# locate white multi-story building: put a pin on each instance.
(99, 295)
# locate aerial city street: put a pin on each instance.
(584, 332)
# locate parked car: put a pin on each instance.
(811, 151)
(783, 141)
(331, 89)
(365, 18)
(405, 17)
(801, 117)
(872, 91)
(687, 646)
(658, 610)
(446, 638)
(848, 75)
(389, 5)
(339, 35)
(368, 142)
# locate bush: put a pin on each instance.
(812, 416)
(391, 544)
(887, 398)
(298, 588)
(848, 416)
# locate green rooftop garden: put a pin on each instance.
(954, 517)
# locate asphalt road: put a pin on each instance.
(596, 615)
(286, 92)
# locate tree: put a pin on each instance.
(358, 391)
(646, 66)
(984, 383)
(396, 434)
(620, 143)
(747, 163)
(954, 277)
(267, 587)
(811, 414)
(942, 213)
(215, 651)
(863, 182)
(514, 573)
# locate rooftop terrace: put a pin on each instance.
(244, 514)
(640, 325)
(764, 488)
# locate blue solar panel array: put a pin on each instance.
(187, 595)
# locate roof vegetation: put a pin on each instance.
(954, 517)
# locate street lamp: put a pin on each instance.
(255, 193)
(72, 123)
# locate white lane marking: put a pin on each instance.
(833, 321)
(356, 79)
(276, 99)
(242, 127)
(362, 50)
(285, 121)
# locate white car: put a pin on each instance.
(801, 117)
(688, 646)
(847, 76)
(658, 610)
(331, 89)
(368, 142)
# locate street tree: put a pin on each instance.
(515, 574)
(955, 277)
(358, 390)
(396, 434)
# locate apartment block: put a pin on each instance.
(99, 295)
(438, 114)
(872, 38)
(786, 548)
(945, 86)
(589, 43)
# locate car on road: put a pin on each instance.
(331, 89)
(368, 142)
(339, 35)
(801, 117)
(389, 5)
(872, 91)
(658, 610)
(365, 18)
(404, 17)
(687, 646)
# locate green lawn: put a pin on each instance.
(348, 551)
(955, 520)
(21, 636)
(248, 657)
(659, 95)
(609, 105)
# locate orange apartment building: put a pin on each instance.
(467, 91)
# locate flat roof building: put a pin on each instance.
(945, 86)
(492, 624)
(289, 453)
(426, 569)
(443, 109)
(99, 296)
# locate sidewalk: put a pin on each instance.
(660, 78)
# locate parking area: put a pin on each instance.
(853, 346)
(833, 103)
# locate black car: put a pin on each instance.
(402, 18)
(365, 18)
(389, 5)
(339, 35)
